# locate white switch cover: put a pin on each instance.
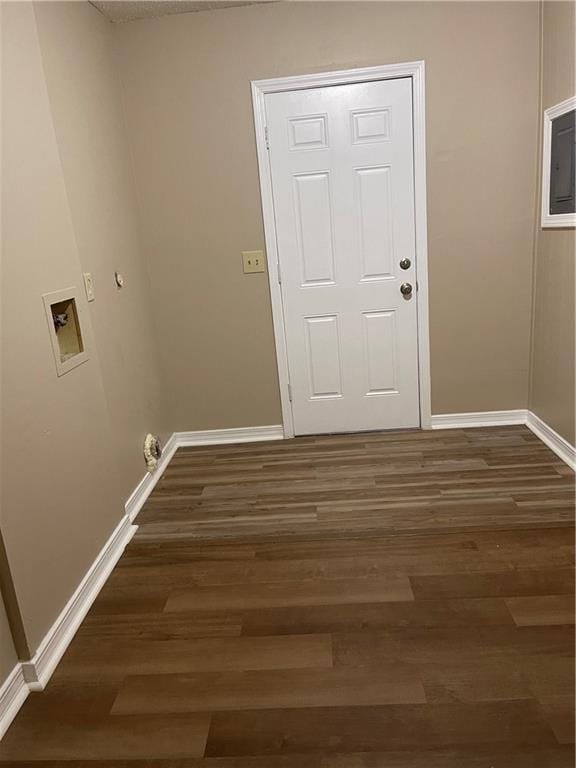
(253, 261)
(89, 286)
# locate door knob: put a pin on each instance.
(406, 289)
(405, 264)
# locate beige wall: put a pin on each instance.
(552, 382)
(85, 100)
(186, 80)
(71, 446)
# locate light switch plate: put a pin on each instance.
(89, 286)
(253, 261)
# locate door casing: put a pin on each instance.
(415, 70)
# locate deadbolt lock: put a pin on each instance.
(405, 264)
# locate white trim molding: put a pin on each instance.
(38, 671)
(553, 219)
(416, 71)
(225, 436)
(553, 440)
(13, 694)
(479, 419)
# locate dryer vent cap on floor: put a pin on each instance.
(152, 451)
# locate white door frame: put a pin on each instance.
(415, 70)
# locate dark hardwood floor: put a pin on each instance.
(400, 600)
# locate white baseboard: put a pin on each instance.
(480, 419)
(37, 672)
(13, 694)
(146, 485)
(225, 436)
(553, 440)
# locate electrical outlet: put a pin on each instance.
(253, 261)
(89, 286)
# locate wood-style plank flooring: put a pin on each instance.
(399, 600)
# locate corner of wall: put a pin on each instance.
(536, 221)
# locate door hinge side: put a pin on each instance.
(266, 137)
(289, 391)
(279, 272)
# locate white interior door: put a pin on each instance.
(341, 161)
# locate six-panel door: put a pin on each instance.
(343, 186)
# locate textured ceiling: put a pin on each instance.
(130, 10)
